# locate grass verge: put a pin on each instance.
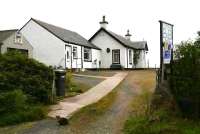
(31, 113)
(94, 111)
(157, 114)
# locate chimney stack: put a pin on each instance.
(128, 35)
(103, 23)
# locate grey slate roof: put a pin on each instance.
(65, 35)
(5, 34)
(131, 44)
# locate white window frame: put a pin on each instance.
(114, 53)
(89, 52)
(75, 53)
(18, 38)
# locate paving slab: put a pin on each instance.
(68, 106)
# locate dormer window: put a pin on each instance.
(18, 38)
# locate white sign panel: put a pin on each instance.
(167, 35)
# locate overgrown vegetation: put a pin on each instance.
(25, 87)
(185, 79)
(74, 88)
(157, 114)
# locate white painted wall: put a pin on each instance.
(10, 43)
(104, 41)
(46, 47)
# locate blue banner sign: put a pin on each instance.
(167, 41)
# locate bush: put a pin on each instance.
(15, 109)
(31, 113)
(185, 78)
(32, 77)
(12, 101)
(68, 80)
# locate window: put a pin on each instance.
(22, 51)
(87, 54)
(75, 55)
(130, 56)
(67, 54)
(116, 56)
(18, 38)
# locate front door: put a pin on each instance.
(116, 56)
(68, 58)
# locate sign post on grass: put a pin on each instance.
(166, 47)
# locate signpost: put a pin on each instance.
(166, 47)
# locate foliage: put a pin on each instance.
(72, 87)
(68, 80)
(162, 120)
(25, 85)
(136, 57)
(142, 103)
(12, 101)
(185, 78)
(15, 109)
(31, 113)
(32, 77)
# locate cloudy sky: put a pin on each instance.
(83, 16)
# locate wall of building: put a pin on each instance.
(104, 41)
(10, 43)
(46, 47)
(50, 50)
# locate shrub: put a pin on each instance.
(15, 109)
(12, 101)
(68, 80)
(32, 77)
(31, 113)
(185, 78)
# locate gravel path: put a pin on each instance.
(111, 122)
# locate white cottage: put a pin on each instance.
(56, 46)
(118, 51)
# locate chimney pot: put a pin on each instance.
(103, 23)
(128, 35)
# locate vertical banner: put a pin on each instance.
(166, 47)
(166, 35)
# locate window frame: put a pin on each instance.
(114, 52)
(90, 54)
(74, 53)
(18, 38)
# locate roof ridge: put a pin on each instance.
(52, 25)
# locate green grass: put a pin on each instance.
(94, 111)
(161, 120)
(31, 113)
(156, 113)
(77, 88)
